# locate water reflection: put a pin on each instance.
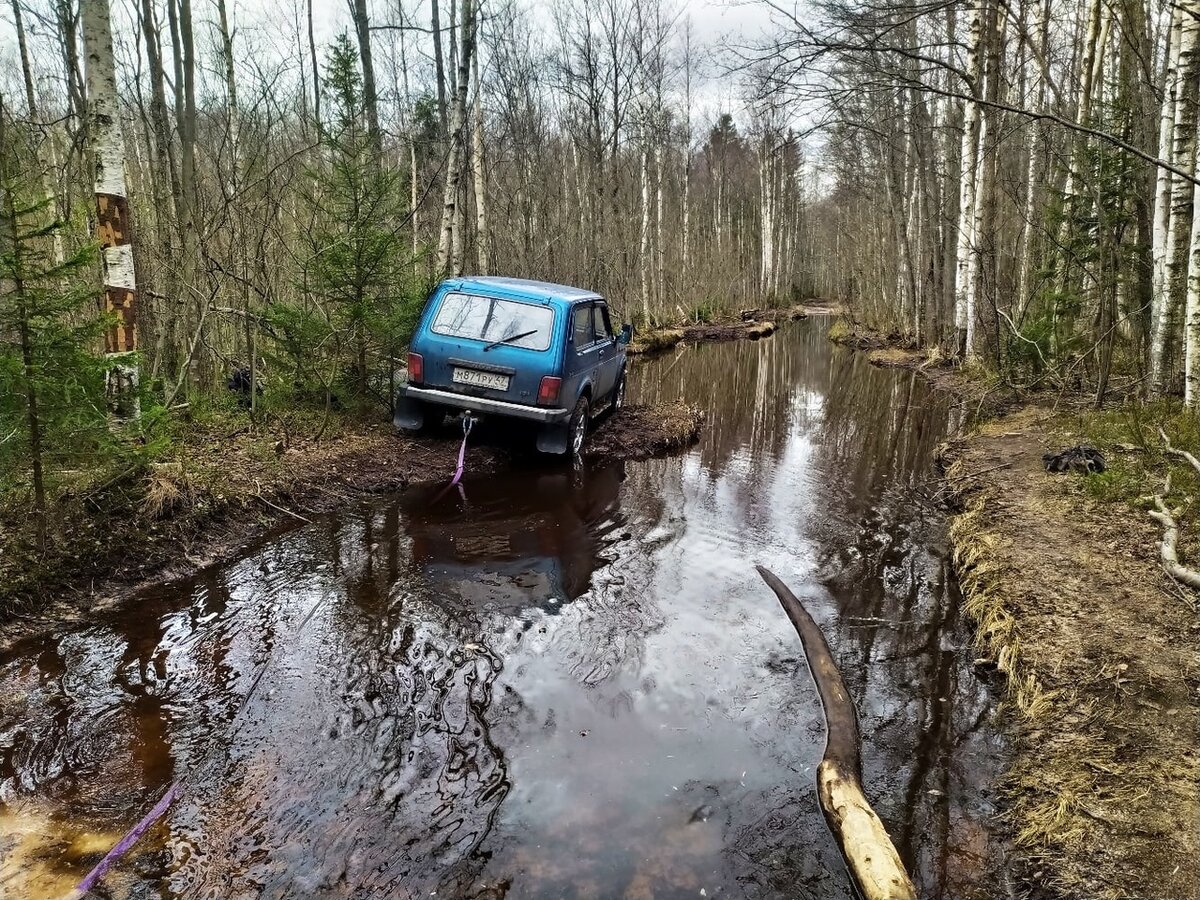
(552, 684)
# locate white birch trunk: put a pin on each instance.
(1162, 191)
(1164, 340)
(457, 152)
(113, 230)
(1191, 335)
(964, 285)
(480, 172)
(766, 200)
(645, 248)
(659, 273)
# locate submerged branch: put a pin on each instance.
(870, 855)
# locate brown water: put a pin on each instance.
(557, 683)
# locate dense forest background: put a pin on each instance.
(204, 195)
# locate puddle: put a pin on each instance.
(552, 684)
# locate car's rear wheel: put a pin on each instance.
(579, 424)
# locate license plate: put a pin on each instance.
(476, 378)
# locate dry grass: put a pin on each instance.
(1102, 668)
(168, 487)
(655, 340)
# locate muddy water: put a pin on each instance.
(553, 683)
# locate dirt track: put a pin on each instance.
(1100, 650)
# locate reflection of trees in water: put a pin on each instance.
(752, 392)
(898, 636)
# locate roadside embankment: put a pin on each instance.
(1099, 646)
(750, 324)
(1063, 578)
(224, 487)
(897, 351)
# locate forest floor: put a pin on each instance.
(1062, 578)
(226, 485)
(750, 324)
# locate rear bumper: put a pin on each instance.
(484, 405)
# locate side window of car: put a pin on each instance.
(601, 323)
(581, 326)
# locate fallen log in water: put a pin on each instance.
(870, 855)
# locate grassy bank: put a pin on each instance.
(1062, 576)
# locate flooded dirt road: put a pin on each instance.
(555, 683)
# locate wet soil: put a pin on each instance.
(224, 489)
(750, 324)
(1100, 646)
(550, 682)
(899, 351)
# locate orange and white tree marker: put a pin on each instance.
(113, 229)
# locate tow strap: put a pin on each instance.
(467, 424)
(126, 842)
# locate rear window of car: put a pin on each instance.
(493, 319)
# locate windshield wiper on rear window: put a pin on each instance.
(511, 337)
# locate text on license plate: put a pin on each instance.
(480, 379)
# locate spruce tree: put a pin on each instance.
(52, 408)
(360, 266)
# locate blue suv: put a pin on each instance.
(545, 353)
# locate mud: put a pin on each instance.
(981, 396)
(552, 682)
(1100, 649)
(658, 340)
(228, 490)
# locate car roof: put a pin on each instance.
(523, 287)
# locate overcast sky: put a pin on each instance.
(270, 27)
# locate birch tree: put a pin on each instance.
(114, 230)
(456, 156)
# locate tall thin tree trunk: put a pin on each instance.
(482, 238)
(659, 262)
(46, 141)
(316, 69)
(456, 154)
(645, 237)
(1191, 340)
(114, 230)
(439, 65)
(230, 80)
(964, 285)
(362, 27)
(1169, 298)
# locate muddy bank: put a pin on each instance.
(898, 351)
(749, 324)
(1099, 648)
(661, 339)
(640, 432)
(224, 490)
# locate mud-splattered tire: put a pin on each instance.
(577, 431)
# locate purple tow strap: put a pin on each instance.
(468, 422)
(462, 452)
(128, 841)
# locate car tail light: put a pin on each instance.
(416, 368)
(548, 390)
